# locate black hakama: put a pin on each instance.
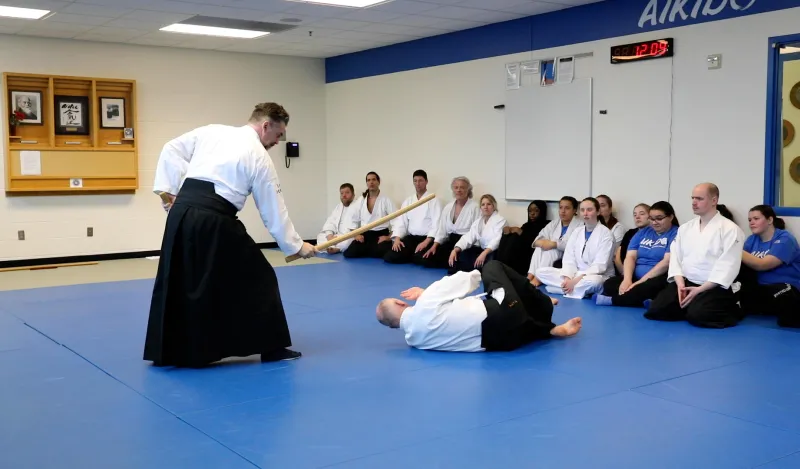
(716, 308)
(215, 294)
(524, 315)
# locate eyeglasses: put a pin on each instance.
(656, 218)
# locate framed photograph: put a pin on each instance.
(112, 113)
(72, 115)
(30, 103)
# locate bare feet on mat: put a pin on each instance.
(567, 329)
(280, 355)
(554, 300)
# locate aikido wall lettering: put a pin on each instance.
(672, 11)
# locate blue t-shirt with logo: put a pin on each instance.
(650, 248)
(783, 246)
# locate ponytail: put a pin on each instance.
(769, 212)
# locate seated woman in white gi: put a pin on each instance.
(610, 221)
(477, 247)
(770, 273)
(371, 206)
(550, 243)
(340, 221)
(704, 261)
(455, 221)
(646, 263)
(641, 219)
(587, 261)
(512, 314)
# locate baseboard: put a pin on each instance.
(100, 257)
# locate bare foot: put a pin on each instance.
(554, 300)
(567, 329)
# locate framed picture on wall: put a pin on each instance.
(71, 115)
(112, 113)
(30, 103)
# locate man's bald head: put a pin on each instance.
(705, 198)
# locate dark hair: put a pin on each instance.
(596, 207)
(612, 220)
(422, 173)
(365, 177)
(572, 200)
(768, 213)
(542, 206)
(272, 111)
(666, 207)
(725, 212)
(348, 186)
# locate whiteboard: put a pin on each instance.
(549, 141)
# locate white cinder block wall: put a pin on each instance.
(442, 119)
(178, 89)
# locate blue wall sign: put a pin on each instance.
(592, 22)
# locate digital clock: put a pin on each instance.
(645, 50)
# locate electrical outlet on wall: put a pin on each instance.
(90, 231)
(21, 235)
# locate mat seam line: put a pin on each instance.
(741, 419)
(173, 414)
(440, 437)
(776, 459)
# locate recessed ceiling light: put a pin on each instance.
(24, 13)
(213, 31)
(344, 3)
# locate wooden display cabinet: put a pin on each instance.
(78, 134)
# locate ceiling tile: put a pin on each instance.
(335, 23)
(270, 6)
(372, 15)
(493, 5)
(77, 19)
(406, 7)
(111, 34)
(80, 8)
(156, 16)
(459, 13)
(535, 8)
(318, 11)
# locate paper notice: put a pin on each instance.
(30, 163)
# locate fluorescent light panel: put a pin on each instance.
(24, 13)
(213, 31)
(344, 3)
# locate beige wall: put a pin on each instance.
(178, 89)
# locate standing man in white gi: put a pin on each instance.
(705, 259)
(215, 294)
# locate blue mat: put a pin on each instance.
(625, 393)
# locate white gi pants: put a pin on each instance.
(541, 258)
(551, 278)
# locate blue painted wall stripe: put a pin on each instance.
(596, 21)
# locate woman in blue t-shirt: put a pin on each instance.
(770, 272)
(647, 261)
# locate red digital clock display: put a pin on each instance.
(645, 50)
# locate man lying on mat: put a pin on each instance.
(512, 314)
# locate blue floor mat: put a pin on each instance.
(625, 393)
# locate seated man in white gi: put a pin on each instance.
(444, 318)
(705, 258)
(340, 220)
